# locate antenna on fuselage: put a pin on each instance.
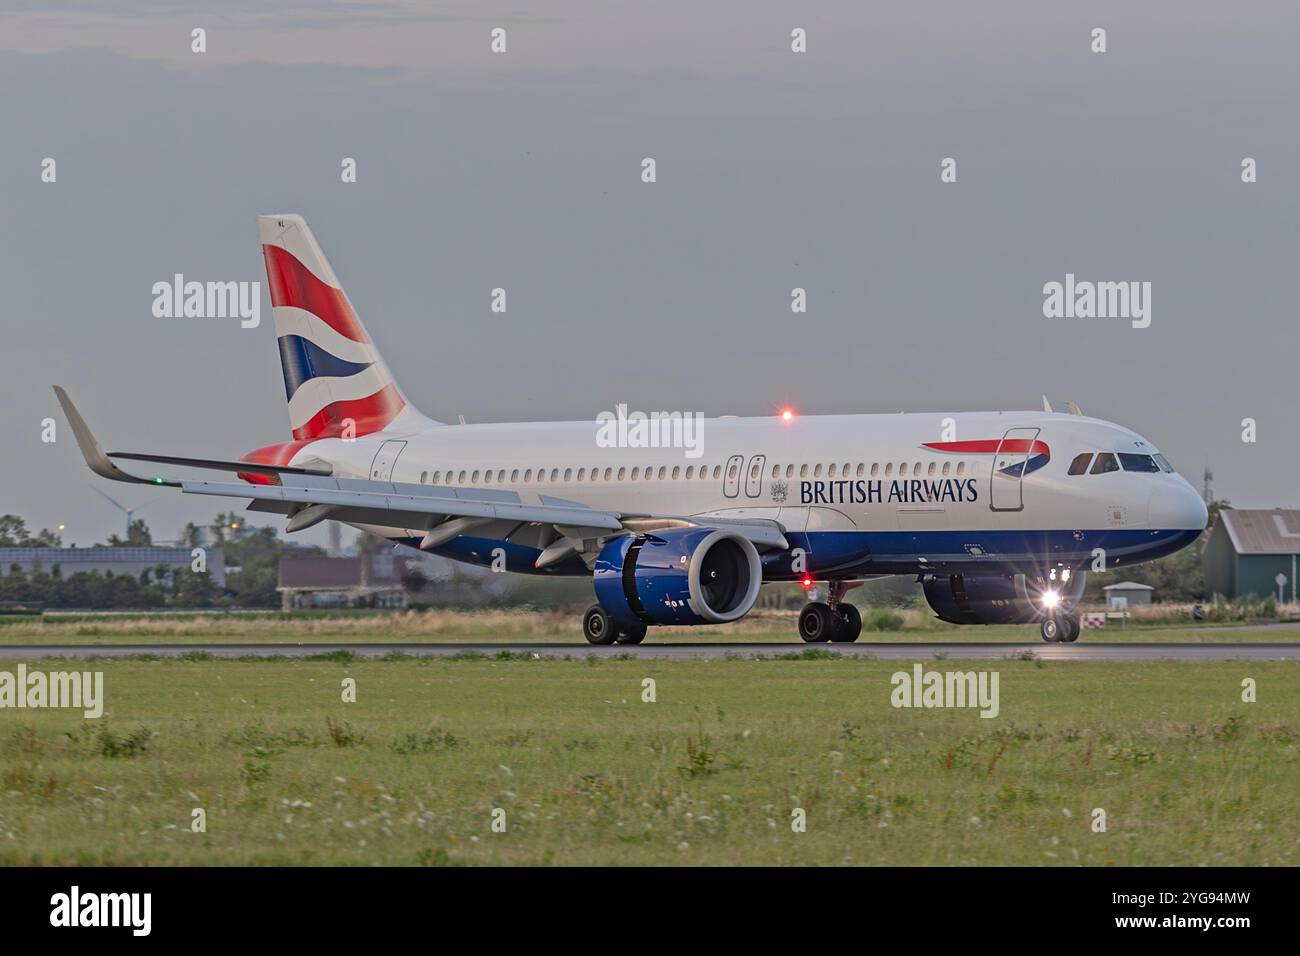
(1073, 409)
(1047, 406)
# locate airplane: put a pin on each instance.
(999, 515)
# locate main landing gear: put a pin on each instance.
(599, 628)
(832, 621)
(1060, 628)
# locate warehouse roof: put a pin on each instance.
(1128, 586)
(1263, 532)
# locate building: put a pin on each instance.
(1136, 595)
(104, 560)
(367, 580)
(391, 579)
(1248, 549)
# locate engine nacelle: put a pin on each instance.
(682, 576)
(1001, 599)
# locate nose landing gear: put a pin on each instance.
(832, 621)
(1060, 628)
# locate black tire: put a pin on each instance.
(598, 627)
(816, 623)
(848, 624)
(1072, 629)
(630, 634)
(1052, 630)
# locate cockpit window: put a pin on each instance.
(1105, 463)
(1080, 464)
(1164, 464)
(1133, 462)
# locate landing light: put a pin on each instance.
(1051, 599)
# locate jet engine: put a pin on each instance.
(682, 576)
(1002, 599)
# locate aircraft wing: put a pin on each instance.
(307, 496)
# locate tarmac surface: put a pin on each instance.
(910, 650)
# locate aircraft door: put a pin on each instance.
(381, 469)
(731, 476)
(754, 476)
(1007, 475)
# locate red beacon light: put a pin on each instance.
(807, 582)
(787, 415)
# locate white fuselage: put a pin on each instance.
(929, 491)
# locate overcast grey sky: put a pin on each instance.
(775, 170)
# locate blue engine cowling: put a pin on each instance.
(1000, 599)
(682, 576)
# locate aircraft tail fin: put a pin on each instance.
(335, 381)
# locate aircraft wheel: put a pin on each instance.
(816, 622)
(598, 627)
(1072, 629)
(630, 634)
(1052, 629)
(848, 624)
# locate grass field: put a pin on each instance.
(588, 773)
(492, 626)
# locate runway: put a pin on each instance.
(690, 651)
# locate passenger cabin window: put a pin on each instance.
(1133, 462)
(1080, 464)
(1105, 463)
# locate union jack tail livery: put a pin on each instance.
(335, 381)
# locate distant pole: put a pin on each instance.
(1207, 489)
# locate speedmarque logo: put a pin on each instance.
(103, 909)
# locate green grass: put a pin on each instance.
(525, 626)
(709, 774)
